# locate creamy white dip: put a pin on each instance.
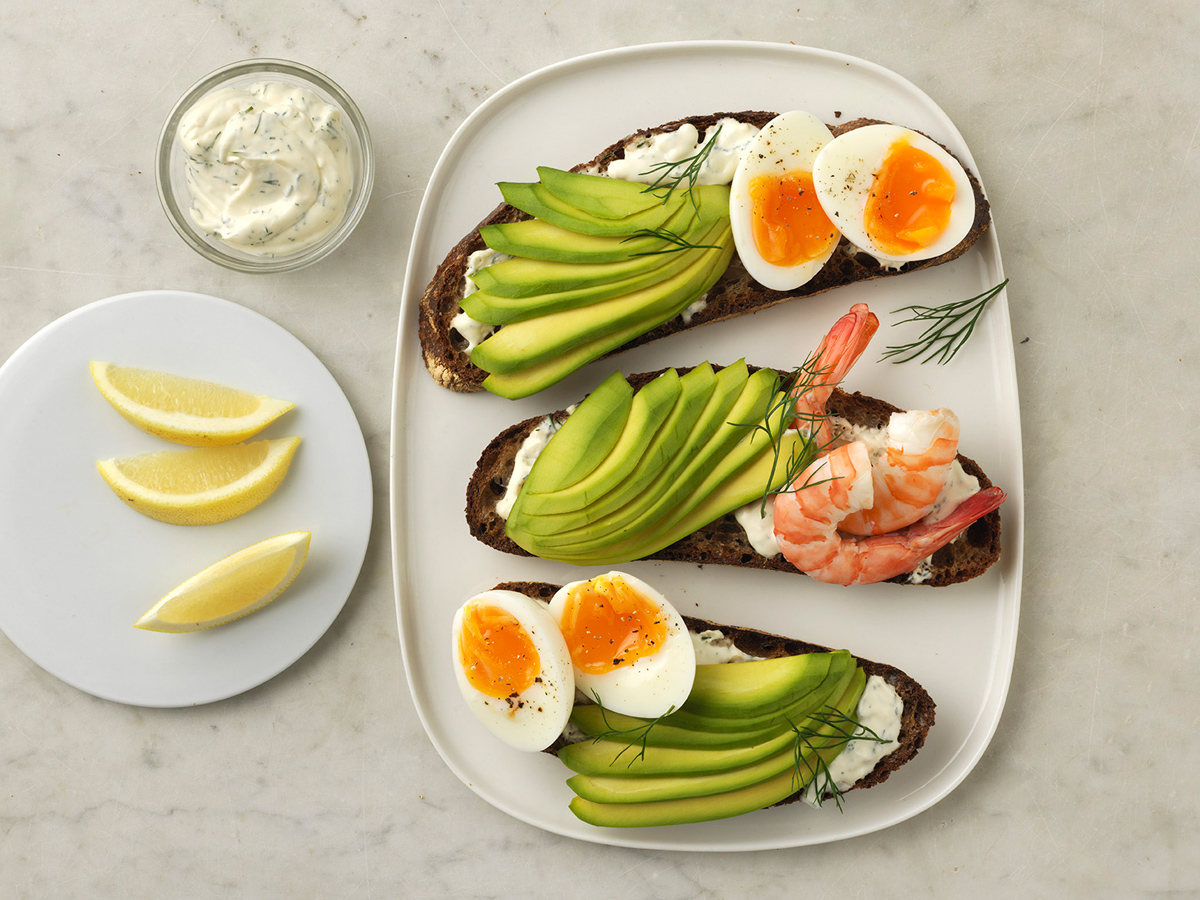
(268, 167)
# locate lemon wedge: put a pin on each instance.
(234, 587)
(200, 486)
(185, 410)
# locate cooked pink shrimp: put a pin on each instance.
(806, 523)
(837, 352)
(910, 472)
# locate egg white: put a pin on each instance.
(652, 685)
(844, 173)
(535, 718)
(789, 142)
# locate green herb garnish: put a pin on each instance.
(677, 242)
(668, 180)
(952, 325)
(830, 727)
(782, 414)
(640, 734)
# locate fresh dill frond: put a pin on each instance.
(675, 241)
(952, 324)
(823, 730)
(783, 413)
(667, 180)
(631, 737)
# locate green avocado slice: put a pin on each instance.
(538, 239)
(586, 437)
(604, 757)
(598, 195)
(534, 199)
(518, 278)
(524, 344)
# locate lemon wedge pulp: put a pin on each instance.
(201, 486)
(234, 587)
(185, 410)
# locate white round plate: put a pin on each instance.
(957, 641)
(79, 566)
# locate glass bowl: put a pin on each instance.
(171, 165)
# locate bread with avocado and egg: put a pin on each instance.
(675, 465)
(592, 275)
(766, 720)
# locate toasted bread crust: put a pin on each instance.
(724, 542)
(735, 294)
(919, 708)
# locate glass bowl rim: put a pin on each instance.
(364, 162)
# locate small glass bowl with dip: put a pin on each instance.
(265, 165)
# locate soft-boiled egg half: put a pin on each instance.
(894, 193)
(630, 648)
(782, 234)
(513, 668)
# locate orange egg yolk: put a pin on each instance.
(608, 624)
(496, 653)
(909, 206)
(789, 225)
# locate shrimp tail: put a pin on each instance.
(837, 353)
(929, 538)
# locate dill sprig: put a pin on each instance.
(675, 241)
(640, 733)
(667, 180)
(783, 412)
(952, 324)
(823, 730)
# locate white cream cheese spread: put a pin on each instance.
(714, 648)
(473, 331)
(268, 167)
(523, 464)
(645, 157)
(880, 709)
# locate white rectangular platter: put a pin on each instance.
(957, 641)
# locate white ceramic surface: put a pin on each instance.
(959, 641)
(79, 567)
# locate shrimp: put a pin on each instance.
(807, 519)
(837, 352)
(910, 472)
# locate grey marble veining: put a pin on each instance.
(1083, 118)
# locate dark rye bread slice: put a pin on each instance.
(724, 542)
(735, 294)
(919, 708)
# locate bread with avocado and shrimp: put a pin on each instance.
(916, 717)
(447, 352)
(722, 540)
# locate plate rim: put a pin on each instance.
(978, 741)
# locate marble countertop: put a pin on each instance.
(1082, 118)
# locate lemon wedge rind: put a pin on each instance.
(131, 478)
(185, 410)
(241, 583)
